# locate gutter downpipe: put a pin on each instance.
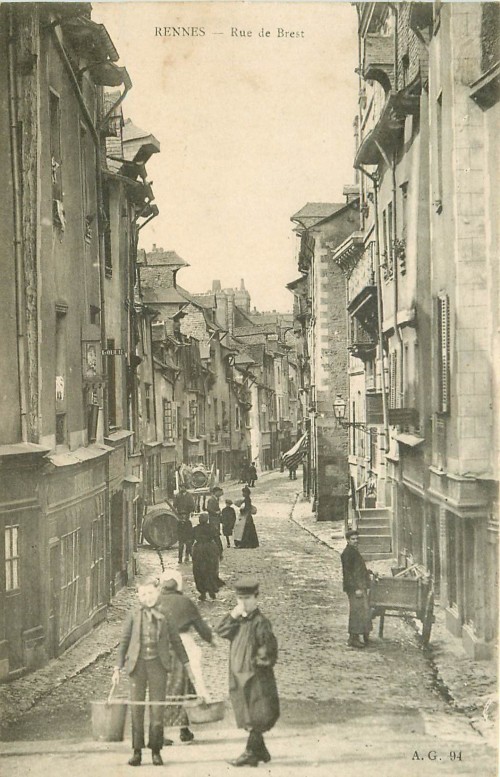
(97, 143)
(18, 236)
(380, 316)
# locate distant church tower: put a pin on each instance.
(242, 297)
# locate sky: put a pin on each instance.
(251, 128)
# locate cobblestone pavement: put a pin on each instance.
(386, 693)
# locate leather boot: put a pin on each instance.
(246, 759)
(157, 759)
(354, 641)
(136, 758)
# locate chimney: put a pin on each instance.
(216, 286)
(154, 247)
(351, 192)
(242, 285)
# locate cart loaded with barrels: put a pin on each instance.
(159, 525)
(409, 591)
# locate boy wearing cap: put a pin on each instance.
(228, 519)
(252, 685)
(356, 582)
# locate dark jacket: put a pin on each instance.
(252, 686)
(356, 576)
(130, 645)
(228, 519)
(213, 507)
(184, 504)
(184, 613)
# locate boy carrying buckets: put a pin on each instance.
(148, 636)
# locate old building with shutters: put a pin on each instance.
(70, 226)
(423, 302)
(321, 316)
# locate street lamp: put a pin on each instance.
(339, 408)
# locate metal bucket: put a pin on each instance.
(108, 721)
(205, 712)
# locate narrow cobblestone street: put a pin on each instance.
(342, 709)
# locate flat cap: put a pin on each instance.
(351, 533)
(247, 585)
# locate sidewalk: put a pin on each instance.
(471, 686)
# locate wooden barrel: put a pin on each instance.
(199, 478)
(159, 528)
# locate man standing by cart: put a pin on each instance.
(184, 505)
(356, 584)
(252, 687)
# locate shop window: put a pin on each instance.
(12, 582)
(96, 562)
(70, 561)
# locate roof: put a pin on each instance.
(256, 329)
(138, 144)
(164, 258)
(206, 299)
(164, 296)
(313, 212)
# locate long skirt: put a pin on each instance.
(239, 528)
(206, 567)
(178, 684)
(249, 538)
(359, 614)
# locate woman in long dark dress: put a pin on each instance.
(205, 559)
(249, 538)
(181, 611)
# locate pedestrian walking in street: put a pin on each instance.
(252, 475)
(148, 638)
(356, 579)
(292, 472)
(185, 616)
(252, 685)
(184, 505)
(245, 533)
(244, 471)
(205, 559)
(214, 515)
(228, 519)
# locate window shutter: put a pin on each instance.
(444, 353)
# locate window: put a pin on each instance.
(443, 315)
(111, 385)
(373, 448)
(168, 425)
(237, 418)
(12, 558)
(147, 400)
(439, 154)
(225, 422)
(193, 419)
(55, 145)
(354, 439)
(106, 219)
(393, 379)
(60, 379)
(70, 561)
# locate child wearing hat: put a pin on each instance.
(228, 519)
(252, 656)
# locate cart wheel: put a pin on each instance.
(428, 619)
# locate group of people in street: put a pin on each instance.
(202, 544)
(248, 474)
(160, 655)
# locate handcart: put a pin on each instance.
(409, 592)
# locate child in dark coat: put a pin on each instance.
(228, 519)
